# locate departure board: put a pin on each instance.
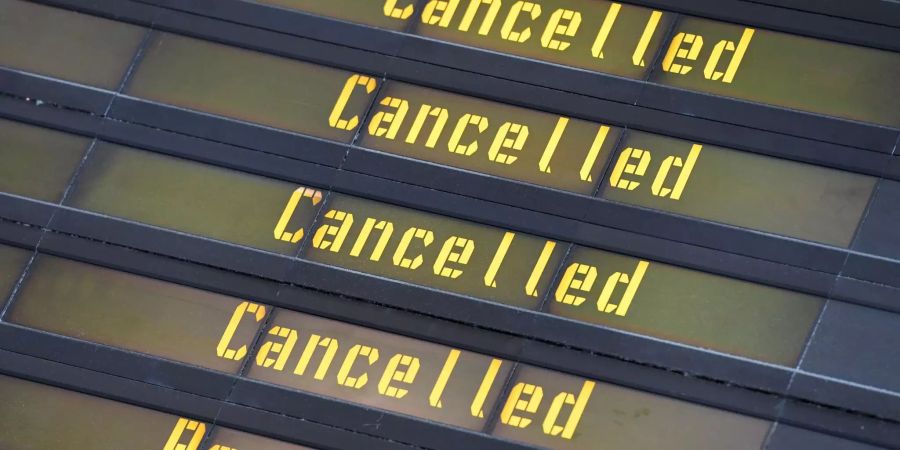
(341, 360)
(727, 59)
(446, 224)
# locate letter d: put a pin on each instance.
(710, 72)
(631, 286)
(687, 167)
(578, 404)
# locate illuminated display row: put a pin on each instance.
(37, 416)
(485, 262)
(349, 362)
(628, 166)
(609, 37)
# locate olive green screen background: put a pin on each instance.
(36, 416)
(186, 196)
(797, 72)
(37, 162)
(129, 311)
(699, 309)
(618, 418)
(62, 44)
(758, 192)
(242, 84)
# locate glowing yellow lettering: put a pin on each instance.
(490, 277)
(489, 17)
(335, 119)
(544, 163)
(710, 72)
(391, 10)
(686, 168)
(556, 27)
(515, 403)
(392, 119)
(632, 284)
(605, 28)
(503, 141)
(299, 194)
(578, 405)
(467, 119)
(343, 376)
(455, 250)
(183, 425)
(400, 259)
(316, 341)
(637, 58)
(506, 31)
(441, 383)
(569, 281)
(387, 229)
(401, 368)
(222, 350)
(338, 233)
(440, 119)
(675, 51)
(476, 409)
(588, 165)
(439, 12)
(624, 167)
(283, 350)
(538, 270)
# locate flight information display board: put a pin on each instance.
(488, 263)
(349, 362)
(227, 219)
(619, 39)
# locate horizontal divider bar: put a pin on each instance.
(579, 338)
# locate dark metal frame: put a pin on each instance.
(539, 326)
(770, 398)
(601, 212)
